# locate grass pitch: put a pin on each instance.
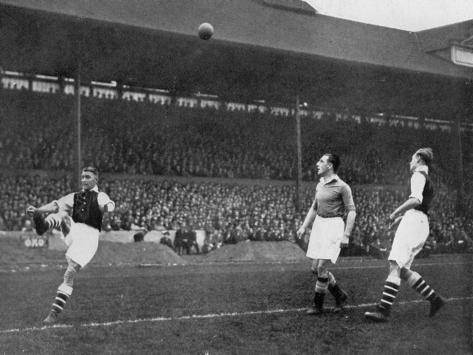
(244, 308)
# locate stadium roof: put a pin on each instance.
(260, 47)
(262, 23)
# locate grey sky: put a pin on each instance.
(411, 15)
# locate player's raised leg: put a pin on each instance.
(59, 220)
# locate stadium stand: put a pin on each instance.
(231, 213)
(187, 141)
(173, 140)
(139, 137)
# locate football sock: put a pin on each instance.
(334, 289)
(331, 279)
(62, 295)
(53, 220)
(390, 291)
(418, 283)
(320, 290)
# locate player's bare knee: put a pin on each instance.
(71, 271)
(322, 270)
(69, 276)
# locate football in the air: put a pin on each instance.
(206, 30)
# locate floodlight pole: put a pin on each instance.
(77, 132)
(299, 156)
(460, 181)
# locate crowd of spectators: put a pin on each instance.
(231, 213)
(141, 138)
(145, 138)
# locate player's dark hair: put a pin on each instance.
(91, 169)
(334, 159)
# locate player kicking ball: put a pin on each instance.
(79, 215)
(411, 234)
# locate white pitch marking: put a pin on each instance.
(199, 316)
(386, 265)
(336, 266)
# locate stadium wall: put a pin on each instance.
(55, 240)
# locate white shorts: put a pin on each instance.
(411, 234)
(82, 242)
(325, 238)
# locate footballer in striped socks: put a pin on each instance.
(390, 291)
(79, 215)
(411, 233)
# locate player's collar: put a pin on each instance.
(325, 181)
(422, 168)
(95, 188)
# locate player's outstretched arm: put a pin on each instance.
(51, 207)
